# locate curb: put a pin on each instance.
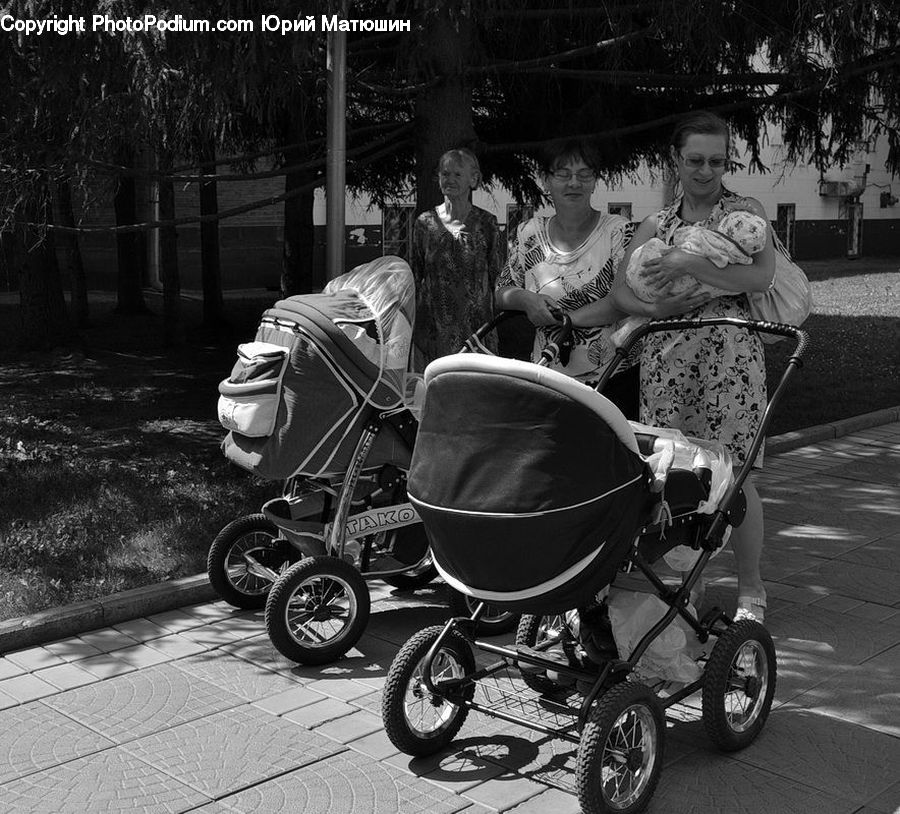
(70, 620)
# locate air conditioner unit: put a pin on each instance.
(841, 189)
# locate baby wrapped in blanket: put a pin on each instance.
(739, 236)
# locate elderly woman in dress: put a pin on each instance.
(455, 261)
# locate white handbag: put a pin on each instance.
(788, 300)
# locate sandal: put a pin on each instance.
(751, 607)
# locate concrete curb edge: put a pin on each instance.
(80, 617)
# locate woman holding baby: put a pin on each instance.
(710, 384)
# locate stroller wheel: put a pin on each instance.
(621, 751)
(493, 621)
(417, 721)
(533, 630)
(738, 685)
(246, 557)
(317, 610)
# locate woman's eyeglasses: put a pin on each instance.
(583, 176)
(696, 162)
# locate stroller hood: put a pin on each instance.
(530, 484)
(302, 391)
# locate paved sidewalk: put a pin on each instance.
(193, 710)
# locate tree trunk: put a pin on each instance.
(211, 269)
(173, 324)
(130, 268)
(443, 113)
(298, 272)
(74, 264)
(44, 319)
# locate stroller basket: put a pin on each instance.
(538, 503)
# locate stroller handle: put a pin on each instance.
(559, 347)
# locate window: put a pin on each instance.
(623, 209)
(396, 229)
(784, 225)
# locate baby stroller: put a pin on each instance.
(538, 496)
(321, 400)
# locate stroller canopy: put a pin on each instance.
(530, 484)
(322, 359)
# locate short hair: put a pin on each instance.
(562, 151)
(461, 156)
(700, 122)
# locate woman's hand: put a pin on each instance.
(673, 305)
(542, 309)
(660, 272)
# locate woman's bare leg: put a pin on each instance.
(747, 543)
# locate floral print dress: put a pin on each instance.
(710, 384)
(454, 273)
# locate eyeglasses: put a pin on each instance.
(696, 162)
(583, 176)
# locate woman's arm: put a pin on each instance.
(736, 277)
(511, 294)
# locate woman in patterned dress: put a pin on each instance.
(709, 384)
(455, 261)
(566, 263)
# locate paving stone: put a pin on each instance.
(66, 676)
(26, 688)
(231, 750)
(210, 635)
(34, 658)
(143, 702)
(350, 727)
(552, 800)
(8, 669)
(259, 650)
(36, 737)
(141, 630)
(814, 540)
(454, 768)
(211, 611)
(72, 649)
(869, 696)
(349, 782)
(175, 646)
(140, 655)
(881, 553)
(7, 701)
(106, 665)
(107, 639)
(344, 689)
(874, 612)
(887, 802)
(313, 715)
(376, 745)
(110, 781)
(289, 700)
(835, 503)
(839, 604)
(249, 681)
(873, 464)
(849, 579)
(505, 792)
(708, 782)
(175, 621)
(831, 755)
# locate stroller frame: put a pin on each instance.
(554, 713)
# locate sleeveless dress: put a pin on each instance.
(710, 384)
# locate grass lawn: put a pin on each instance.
(110, 470)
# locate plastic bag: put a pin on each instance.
(671, 655)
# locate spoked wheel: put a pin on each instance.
(621, 751)
(246, 558)
(531, 631)
(317, 610)
(493, 621)
(738, 685)
(417, 721)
